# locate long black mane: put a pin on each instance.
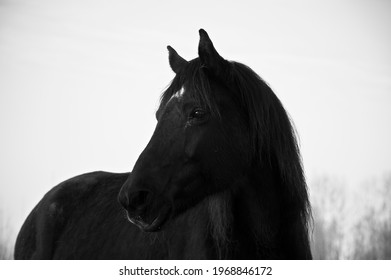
(273, 137)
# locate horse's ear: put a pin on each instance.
(209, 57)
(176, 61)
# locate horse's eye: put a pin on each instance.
(197, 114)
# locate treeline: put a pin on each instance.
(6, 242)
(351, 223)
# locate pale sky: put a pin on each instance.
(80, 82)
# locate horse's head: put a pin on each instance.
(199, 147)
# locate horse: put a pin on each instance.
(221, 178)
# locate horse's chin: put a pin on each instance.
(156, 223)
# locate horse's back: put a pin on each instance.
(67, 222)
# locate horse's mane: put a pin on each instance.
(272, 132)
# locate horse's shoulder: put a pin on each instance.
(47, 220)
(86, 184)
(77, 190)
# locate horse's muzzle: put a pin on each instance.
(145, 210)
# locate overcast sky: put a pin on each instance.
(80, 82)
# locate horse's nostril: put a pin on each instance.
(138, 200)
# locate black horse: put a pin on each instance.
(221, 178)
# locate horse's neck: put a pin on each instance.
(245, 219)
(263, 226)
(256, 216)
(248, 221)
(237, 223)
(190, 235)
